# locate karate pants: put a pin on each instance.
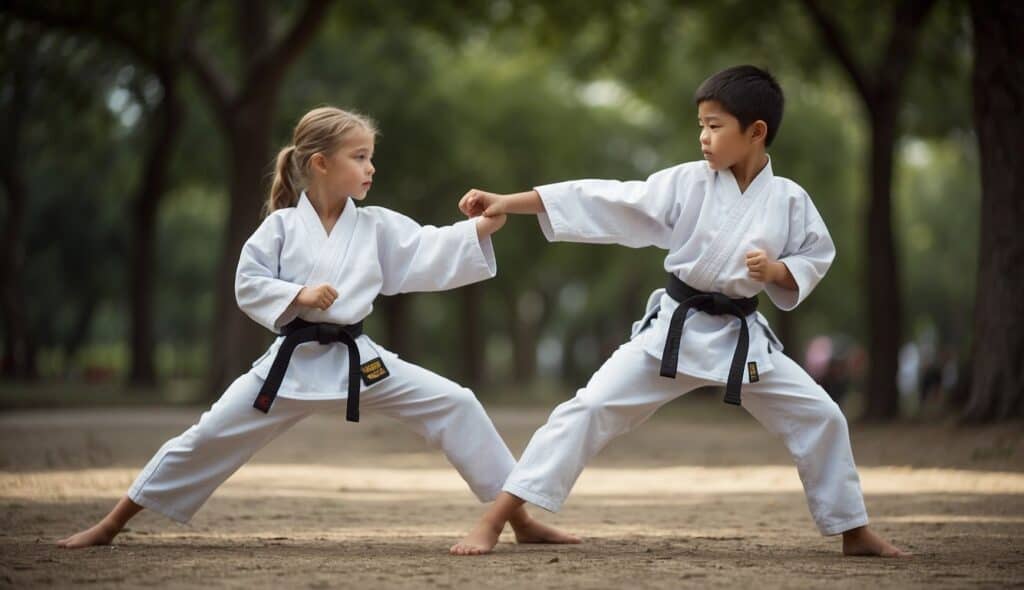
(628, 389)
(188, 468)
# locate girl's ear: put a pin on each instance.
(318, 163)
(758, 130)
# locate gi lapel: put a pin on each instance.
(733, 225)
(329, 251)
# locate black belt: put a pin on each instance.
(714, 304)
(299, 331)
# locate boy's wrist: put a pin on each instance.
(782, 277)
(526, 202)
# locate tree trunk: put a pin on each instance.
(880, 89)
(79, 330)
(396, 311)
(160, 52)
(883, 292)
(19, 354)
(571, 373)
(785, 327)
(525, 352)
(238, 341)
(18, 359)
(246, 117)
(472, 338)
(523, 329)
(143, 256)
(997, 374)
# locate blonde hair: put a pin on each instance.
(321, 130)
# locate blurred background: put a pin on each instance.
(138, 140)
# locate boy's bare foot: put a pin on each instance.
(863, 541)
(480, 540)
(534, 531)
(99, 534)
(508, 508)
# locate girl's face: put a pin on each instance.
(348, 171)
(721, 140)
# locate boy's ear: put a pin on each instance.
(758, 130)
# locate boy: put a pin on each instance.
(732, 229)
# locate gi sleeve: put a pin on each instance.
(635, 213)
(808, 253)
(416, 257)
(262, 296)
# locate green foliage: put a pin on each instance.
(502, 96)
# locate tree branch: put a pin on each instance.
(906, 21)
(213, 82)
(252, 27)
(22, 83)
(83, 22)
(833, 39)
(269, 67)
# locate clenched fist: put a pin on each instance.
(486, 226)
(319, 297)
(477, 202)
(761, 268)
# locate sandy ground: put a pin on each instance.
(701, 496)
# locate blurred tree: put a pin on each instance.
(19, 84)
(61, 235)
(245, 111)
(489, 110)
(153, 36)
(880, 86)
(650, 74)
(501, 96)
(997, 376)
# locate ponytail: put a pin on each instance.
(283, 191)
(321, 130)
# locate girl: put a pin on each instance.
(310, 273)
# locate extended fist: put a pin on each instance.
(477, 202)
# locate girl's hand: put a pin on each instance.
(477, 202)
(486, 226)
(319, 297)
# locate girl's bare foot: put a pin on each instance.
(480, 540)
(534, 531)
(99, 534)
(105, 530)
(510, 509)
(863, 541)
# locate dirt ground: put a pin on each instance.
(700, 496)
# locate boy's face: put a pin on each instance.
(721, 140)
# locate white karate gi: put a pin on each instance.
(707, 226)
(370, 250)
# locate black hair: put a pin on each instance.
(747, 93)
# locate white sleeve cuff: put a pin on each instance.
(803, 273)
(480, 250)
(552, 221)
